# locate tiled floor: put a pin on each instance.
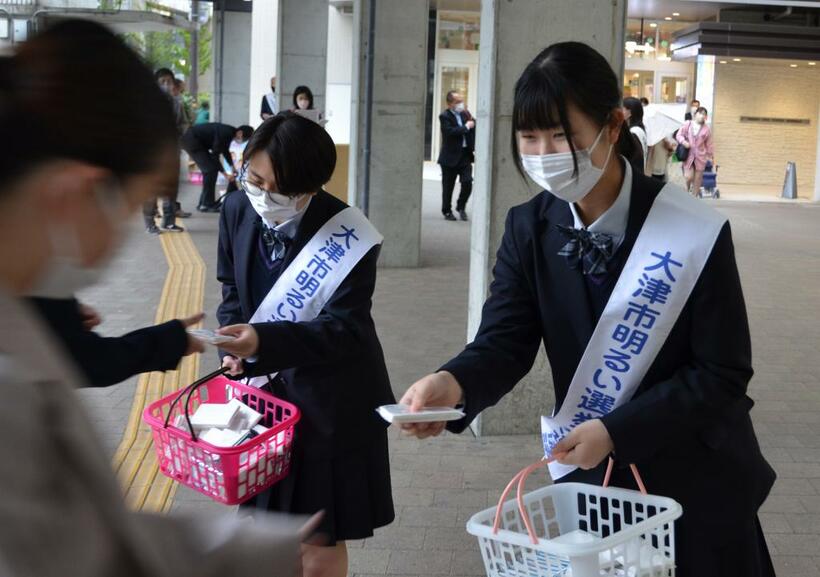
(421, 318)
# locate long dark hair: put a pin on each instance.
(76, 91)
(562, 73)
(635, 112)
(303, 90)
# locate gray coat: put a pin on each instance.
(61, 511)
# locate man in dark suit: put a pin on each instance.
(270, 106)
(205, 144)
(456, 155)
(692, 109)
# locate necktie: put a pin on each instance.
(591, 250)
(276, 242)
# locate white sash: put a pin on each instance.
(271, 98)
(305, 287)
(663, 267)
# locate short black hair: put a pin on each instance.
(450, 96)
(695, 100)
(562, 73)
(301, 152)
(702, 109)
(247, 131)
(307, 92)
(645, 101)
(163, 72)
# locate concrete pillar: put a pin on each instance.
(302, 55)
(232, 80)
(512, 34)
(396, 123)
(816, 195)
(264, 42)
(339, 74)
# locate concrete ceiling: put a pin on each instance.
(689, 10)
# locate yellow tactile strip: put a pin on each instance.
(135, 461)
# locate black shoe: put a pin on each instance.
(462, 214)
(214, 208)
(152, 229)
(449, 216)
(173, 228)
(182, 213)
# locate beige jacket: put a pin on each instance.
(61, 512)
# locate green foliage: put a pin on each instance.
(172, 49)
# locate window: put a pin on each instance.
(639, 84)
(458, 30)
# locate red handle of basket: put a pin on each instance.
(521, 479)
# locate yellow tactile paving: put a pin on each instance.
(135, 461)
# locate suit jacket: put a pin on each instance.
(687, 427)
(108, 361)
(452, 138)
(332, 367)
(212, 136)
(57, 488)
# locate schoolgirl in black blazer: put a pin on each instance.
(687, 427)
(331, 367)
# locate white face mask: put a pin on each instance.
(460, 107)
(65, 275)
(555, 172)
(271, 206)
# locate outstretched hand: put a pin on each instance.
(245, 343)
(440, 389)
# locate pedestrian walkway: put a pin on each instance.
(421, 317)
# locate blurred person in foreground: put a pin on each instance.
(61, 511)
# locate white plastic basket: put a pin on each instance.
(578, 530)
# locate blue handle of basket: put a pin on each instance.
(190, 390)
(521, 479)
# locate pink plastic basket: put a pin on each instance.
(229, 475)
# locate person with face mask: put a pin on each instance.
(270, 106)
(632, 287)
(73, 176)
(300, 267)
(303, 105)
(456, 155)
(696, 136)
(693, 106)
(171, 208)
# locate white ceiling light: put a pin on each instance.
(644, 47)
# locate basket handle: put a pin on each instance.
(521, 478)
(187, 406)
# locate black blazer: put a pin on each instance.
(211, 136)
(452, 138)
(108, 361)
(332, 367)
(687, 427)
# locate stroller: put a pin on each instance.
(708, 188)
